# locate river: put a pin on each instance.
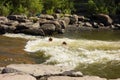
(93, 53)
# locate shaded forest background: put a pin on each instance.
(33, 7)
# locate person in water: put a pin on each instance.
(50, 39)
(64, 43)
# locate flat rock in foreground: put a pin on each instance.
(37, 69)
(16, 76)
(75, 78)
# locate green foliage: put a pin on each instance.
(4, 10)
(103, 6)
(50, 6)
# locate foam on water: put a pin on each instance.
(76, 51)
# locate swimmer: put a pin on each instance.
(50, 39)
(64, 43)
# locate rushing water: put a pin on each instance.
(93, 53)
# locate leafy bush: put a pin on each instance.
(103, 6)
(4, 10)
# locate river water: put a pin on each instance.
(93, 53)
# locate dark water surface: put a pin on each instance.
(11, 51)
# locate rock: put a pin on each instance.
(1, 69)
(115, 79)
(73, 19)
(12, 23)
(34, 19)
(33, 31)
(102, 18)
(73, 73)
(3, 19)
(9, 29)
(117, 26)
(39, 69)
(48, 28)
(75, 78)
(16, 76)
(93, 78)
(81, 18)
(46, 16)
(67, 20)
(56, 16)
(22, 26)
(53, 24)
(63, 24)
(95, 25)
(10, 70)
(87, 24)
(2, 30)
(17, 17)
(58, 11)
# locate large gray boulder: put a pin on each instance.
(103, 18)
(16, 76)
(48, 28)
(37, 70)
(53, 26)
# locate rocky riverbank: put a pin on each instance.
(42, 72)
(48, 24)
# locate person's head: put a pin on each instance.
(50, 39)
(64, 43)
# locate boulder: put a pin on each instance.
(95, 25)
(46, 16)
(48, 28)
(12, 23)
(56, 16)
(17, 17)
(63, 24)
(33, 31)
(67, 20)
(22, 26)
(103, 18)
(73, 19)
(58, 11)
(34, 19)
(87, 24)
(16, 76)
(3, 19)
(81, 18)
(75, 78)
(9, 29)
(73, 73)
(38, 70)
(55, 23)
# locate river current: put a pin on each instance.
(93, 53)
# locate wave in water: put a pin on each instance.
(76, 51)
